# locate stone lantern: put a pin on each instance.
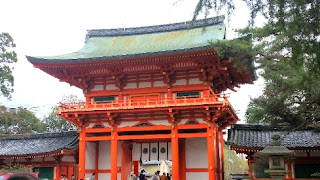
(276, 154)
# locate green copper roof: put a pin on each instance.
(131, 42)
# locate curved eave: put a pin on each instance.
(41, 60)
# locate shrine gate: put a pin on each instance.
(152, 93)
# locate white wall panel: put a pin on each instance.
(104, 155)
(90, 155)
(196, 153)
(195, 81)
(104, 176)
(197, 175)
(130, 86)
(180, 82)
(68, 159)
(97, 88)
(136, 150)
(144, 84)
(111, 87)
(159, 84)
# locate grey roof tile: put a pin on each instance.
(258, 136)
(32, 144)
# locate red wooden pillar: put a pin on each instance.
(175, 153)
(82, 153)
(290, 170)
(182, 159)
(211, 131)
(97, 161)
(126, 159)
(136, 168)
(114, 154)
(58, 172)
(222, 154)
(218, 155)
(250, 173)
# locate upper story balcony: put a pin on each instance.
(147, 103)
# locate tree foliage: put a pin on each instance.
(7, 56)
(55, 123)
(19, 121)
(286, 48)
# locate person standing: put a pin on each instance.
(168, 176)
(142, 176)
(72, 177)
(163, 177)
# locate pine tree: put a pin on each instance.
(287, 50)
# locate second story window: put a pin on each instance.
(104, 99)
(189, 94)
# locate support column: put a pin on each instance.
(218, 156)
(222, 154)
(114, 154)
(97, 161)
(290, 170)
(58, 170)
(82, 153)
(175, 153)
(182, 159)
(211, 131)
(250, 161)
(126, 159)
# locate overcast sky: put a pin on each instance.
(53, 27)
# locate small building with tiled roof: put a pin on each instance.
(51, 154)
(251, 138)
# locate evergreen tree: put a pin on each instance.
(286, 48)
(19, 121)
(7, 56)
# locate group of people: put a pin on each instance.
(64, 177)
(164, 176)
(156, 176)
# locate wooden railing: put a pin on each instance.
(145, 103)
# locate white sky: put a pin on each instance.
(53, 27)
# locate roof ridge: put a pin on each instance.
(36, 135)
(155, 28)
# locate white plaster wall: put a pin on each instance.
(144, 84)
(130, 86)
(90, 125)
(119, 153)
(196, 153)
(111, 87)
(104, 155)
(88, 175)
(195, 81)
(104, 176)
(136, 152)
(106, 124)
(36, 159)
(300, 154)
(97, 88)
(160, 122)
(197, 175)
(68, 159)
(90, 155)
(200, 120)
(127, 123)
(119, 176)
(183, 121)
(180, 82)
(159, 84)
(315, 153)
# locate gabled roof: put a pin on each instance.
(111, 44)
(35, 144)
(259, 136)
